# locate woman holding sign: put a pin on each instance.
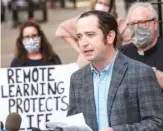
(33, 48)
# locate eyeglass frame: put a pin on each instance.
(132, 24)
(33, 36)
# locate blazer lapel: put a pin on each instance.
(119, 69)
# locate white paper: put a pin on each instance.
(71, 123)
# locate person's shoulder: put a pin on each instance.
(15, 63)
(159, 47)
(138, 66)
(80, 72)
(67, 28)
(125, 48)
(160, 42)
(55, 59)
(135, 62)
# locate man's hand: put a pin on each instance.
(159, 76)
(107, 129)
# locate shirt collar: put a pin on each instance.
(149, 51)
(106, 69)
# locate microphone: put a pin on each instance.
(13, 122)
(2, 126)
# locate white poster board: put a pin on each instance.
(38, 94)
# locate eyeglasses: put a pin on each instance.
(141, 23)
(27, 37)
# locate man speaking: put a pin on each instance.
(114, 92)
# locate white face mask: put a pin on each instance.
(32, 45)
(101, 7)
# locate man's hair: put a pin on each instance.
(146, 5)
(106, 22)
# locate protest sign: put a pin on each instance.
(38, 94)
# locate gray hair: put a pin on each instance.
(146, 5)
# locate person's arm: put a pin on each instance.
(124, 32)
(72, 109)
(159, 75)
(67, 31)
(150, 105)
(15, 63)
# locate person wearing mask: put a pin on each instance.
(33, 48)
(114, 92)
(146, 46)
(67, 29)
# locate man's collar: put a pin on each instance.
(106, 68)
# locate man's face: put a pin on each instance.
(91, 39)
(141, 17)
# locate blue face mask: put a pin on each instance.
(32, 45)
